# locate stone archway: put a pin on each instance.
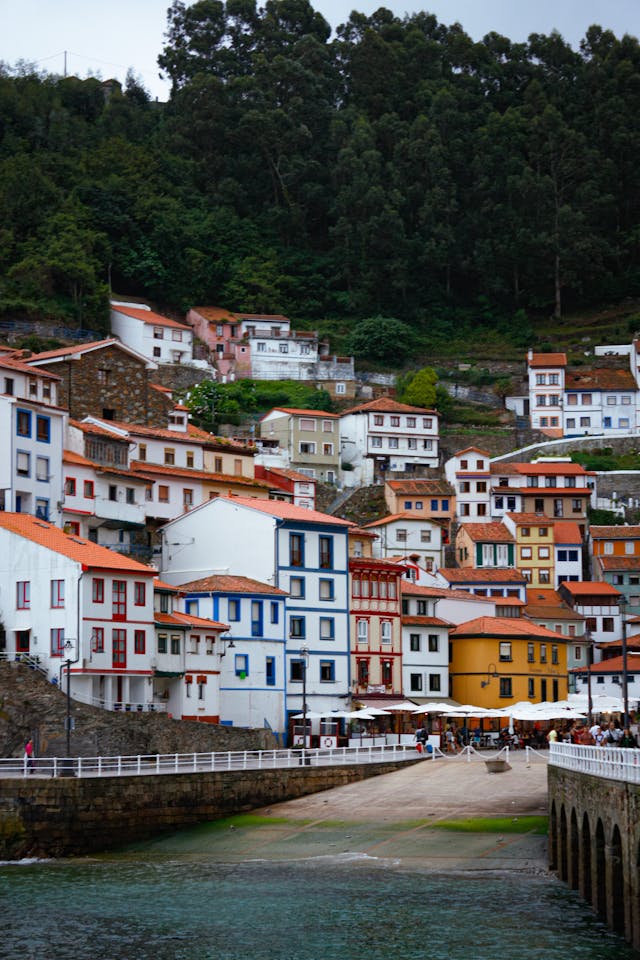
(563, 865)
(574, 852)
(617, 882)
(586, 867)
(600, 892)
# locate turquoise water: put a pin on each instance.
(352, 908)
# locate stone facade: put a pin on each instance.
(110, 380)
(58, 817)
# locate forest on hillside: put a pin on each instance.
(394, 169)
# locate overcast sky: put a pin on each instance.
(107, 38)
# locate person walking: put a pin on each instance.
(28, 754)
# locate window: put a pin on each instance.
(175, 645)
(275, 612)
(119, 599)
(233, 610)
(425, 536)
(411, 421)
(139, 641)
(8, 386)
(327, 449)
(427, 423)
(362, 631)
(607, 624)
(163, 493)
(415, 682)
(387, 673)
(531, 688)
(376, 441)
(256, 618)
(562, 556)
(284, 347)
(296, 550)
(98, 590)
(530, 653)
(385, 631)
(505, 687)
(576, 506)
(505, 650)
(585, 400)
(543, 653)
(341, 388)
(88, 489)
(628, 547)
(296, 670)
(623, 423)
(297, 627)
(327, 671)
(23, 423)
(162, 643)
(585, 421)
(326, 553)
(433, 642)
(378, 420)
(187, 497)
(23, 464)
(57, 594)
(481, 486)
(544, 575)
(393, 443)
(42, 468)
(308, 448)
(296, 587)
(414, 642)
(327, 628)
(326, 589)
(554, 653)
(401, 535)
(525, 553)
(97, 640)
(571, 423)
(113, 492)
(395, 421)
(43, 429)
(543, 531)
(434, 682)
(119, 648)
(525, 531)
(23, 594)
(541, 379)
(57, 642)
(362, 672)
(70, 487)
(270, 671)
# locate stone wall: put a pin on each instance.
(72, 817)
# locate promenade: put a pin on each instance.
(393, 817)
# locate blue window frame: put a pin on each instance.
(296, 550)
(234, 610)
(270, 671)
(445, 504)
(327, 671)
(256, 618)
(275, 612)
(242, 665)
(297, 627)
(434, 506)
(607, 422)
(23, 423)
(562, 556)
(42, 509)
(43, 429)
(326, 553)
(326, 590)
(327, 628)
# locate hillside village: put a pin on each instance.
(155, 567)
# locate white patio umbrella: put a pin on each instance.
(433, 708)
(405, 706)
(465, 710)
(309, 715)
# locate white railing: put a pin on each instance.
(201, 762)
(613, 763)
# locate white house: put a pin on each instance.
(425, 644)
(598, 602)
(384, 436)
(302, 552)
(252, 659)
(410, 535)
(66, 599)
(469, 472)
(546, 372)
(33, 428)
(156, 337)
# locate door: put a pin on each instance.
(22, 641)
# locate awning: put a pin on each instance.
(169, 674)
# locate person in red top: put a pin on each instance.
(28, 754)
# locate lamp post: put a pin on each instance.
(622, 604)
(68, 647)
(304, 653)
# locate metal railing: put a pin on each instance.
(201, 762)
(612, 763)
(27, 659)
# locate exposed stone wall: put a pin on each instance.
(71, 817)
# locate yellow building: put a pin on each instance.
(498, 661)
(534, 547)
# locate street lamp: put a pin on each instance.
(622, 604)
(304, 654)
(68, 647)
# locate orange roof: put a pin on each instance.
(159, 584)
(287, 474)
(566, 531)
(148, 316)
(402, 516)
(589, 587)
(508, 602)
(94, 428)
(425, 622)
(78, 348)
(506, 468)
(495, 532)
(621, 532)
(145, 469)
(514, 627)
(296, 411)
(421, 487)
(548, 360)
(361, 532)
(619, 563)
(386, 405)
(90, 555)
(440, 593)
(201, 623)
(613, 665)
(69, 456)
(286, 511)
(226, 583)
(547, 468)
(485, 453)
(191, 435)
(481, 575)
(22, 366)
(378, 563)
(600, 379)
(530, 519)
(213, 314)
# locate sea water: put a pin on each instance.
(347, 907)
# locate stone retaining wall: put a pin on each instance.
(72, 817)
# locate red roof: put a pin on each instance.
(421, 487)
(285, 473)
(582, 588)
(417, 517)
(144, 469)
(148, 316)
(481, 575)
(566, 531)
(286, 511)
(546, 468)
(514, 627)
(440, 593)
(21, 366)
(608, 378)
(425, 622)
(297, 411)
(548, 360)
(619, 563)
(485, 453)
(90, 555)
(226, 583)
(613, 665)
(622, 532)
(495, 532)
(177, 619)
(387, 405)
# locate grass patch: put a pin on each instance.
(538, 825)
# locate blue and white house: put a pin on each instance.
(251, 655)
(302, 552)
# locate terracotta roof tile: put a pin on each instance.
(425, 622)
(619, 563)
(387, 405)
(556, 468)
(566, 531)
(612, 665)
(621, 532)
(581, 588)
(148, 316)
(22, 366)
(414, 516)
(227, 583)
(215, 314)
(513, 627)
(600, 379)
(287, 511)
(481, 575)
(548, 360)
(75, 349)
(439, 593)
(145, 469)
(90, 555)
(495, 532)
(298, 411)
(425, 488)
(485, 453)
(288, 474)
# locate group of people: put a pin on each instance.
(611, 735)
